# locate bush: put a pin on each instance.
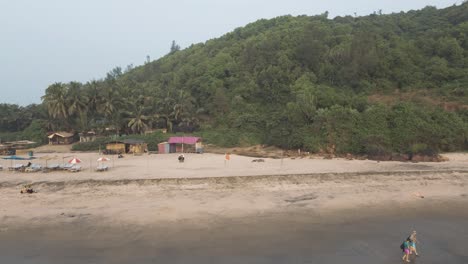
(224, 137)
(36, 132)
(374, 151)
(312, 144)
(10, 136)
(422, 149)
(98, 144)
(220, 137)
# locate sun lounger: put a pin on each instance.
(16, 167)
(102, 168)
(53, 166)
(75, 168)
(33, 168)
(66, 166)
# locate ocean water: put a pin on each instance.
(272, 239)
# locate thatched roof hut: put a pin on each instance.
(60, 138)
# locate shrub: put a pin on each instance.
(422, 149)
(99, 143)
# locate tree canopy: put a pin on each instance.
(364, 85)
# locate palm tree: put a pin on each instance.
(182, 108)
(110, 104)
(106, 105)
(91, 89)
(77, 103)
(164, 111)
(55, 99)
(138, 120)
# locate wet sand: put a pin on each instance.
(371, 235)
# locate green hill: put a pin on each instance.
(365, 85)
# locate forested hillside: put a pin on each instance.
(365, 85)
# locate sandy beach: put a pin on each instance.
(248, 201)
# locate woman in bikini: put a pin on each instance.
(406, 250)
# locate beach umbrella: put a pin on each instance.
(103, 159)
(14, 157)
(74, 161)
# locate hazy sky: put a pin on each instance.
(47, 41)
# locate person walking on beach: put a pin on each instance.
(406, 250)
(413, 240)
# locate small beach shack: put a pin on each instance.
(60, 138)
(115, 147)
(135, 146)
(164, 148)
(129, 146)
(89, 136)
(20, 147)
(185, 144)
(7, 149)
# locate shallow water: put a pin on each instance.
(269, 239)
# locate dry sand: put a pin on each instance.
(213, 165)
(155, 188)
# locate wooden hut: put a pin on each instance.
(89, 136)
(7, 149)
(135, 146)
(16, 147)
(59, 138)
(185, 144)
(129, 146)
(115, 147)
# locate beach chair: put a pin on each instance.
(16, 167)
(75, 168)
(54, 166)
(102, 168)
(66, 166)
(35, 167)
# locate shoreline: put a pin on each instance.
(362, 235)
(236, 178)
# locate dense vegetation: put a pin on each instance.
(365, 85)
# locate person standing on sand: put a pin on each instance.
(181, 158)
(406, 250)
(413, 240)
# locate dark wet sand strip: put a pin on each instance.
(351, 237)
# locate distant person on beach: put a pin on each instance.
(413, 240)
(181, 158)
(406, 250)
